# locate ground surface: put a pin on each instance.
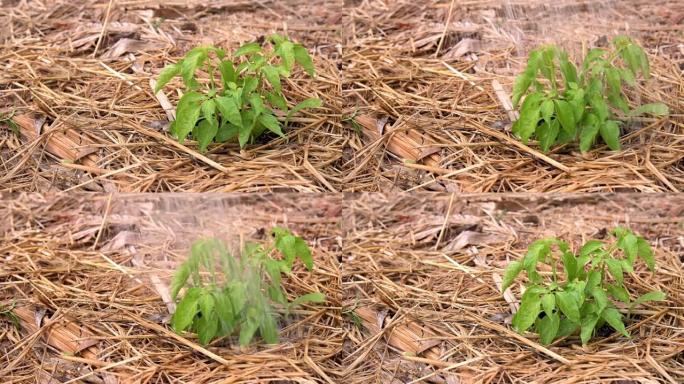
(99, 268)
(414, 96)
(412, 284)
(425, 289)
(418, 78)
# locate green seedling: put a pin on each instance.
(10, 123)
(228, 295)
(8, 312)
(242, 93)
(563, 103)
(582, 299)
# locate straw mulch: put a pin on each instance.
(87, 276)
(415, 96)
(412, 73)
(85, 67)
(422, 289)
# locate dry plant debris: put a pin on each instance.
(403, 275)
(87, 276)
(438, 71)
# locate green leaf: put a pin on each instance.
(548, 328)
(247, 49)
(208, 323)
(619, 292)
(629, 55)
(168, 73)
(566, 116)
(600, 107)
(247, 331)
(591, 247)
(224, 311)
(208, 326)
(615, 269)
(277, 101)
(244, 133)
(269, 330)
(626, 266)
(614, 318)
(523, 81)
(569, 265)
(547, 110)
(193, 60)
(273, 269)
(187, 113)
(547, 134)
(276, 38)
(567, 69)
(526, 125)
(229, 110)
(568, 305)
(619, 102)
(591, 57)
(226, 131)
(179, 279)
(286, 52)
(228, 73)
(588, 325)
(250, 85)
(308, 103)
(548, 67)
(610, 132)
(601, 298)
(315, 297)
(186, 310)
(630, 246)
(593, 279)
(640, 61)
(537, 251)
(512, 271)
(204, 132)
(256, 103)
(526, 315)
(627, 76)
(645, 252)
(613, 81)
(588, 132)
(303, 252)
(548, 301)
(567, 327)
(271, 123)
(650, 296)
(238, 295)
(302, 57)
(655, 109)
(578, 104)
(273, 76)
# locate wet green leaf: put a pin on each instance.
(187, 113)
(610, 132)
(568, 305)
(512, 271)
(614, 318)
(655, 109)
(168, 73)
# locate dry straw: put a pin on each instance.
(424, 289)
(396, 64)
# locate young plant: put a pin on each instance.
(556, 306)
(227, 294)
(563, 103)
(242, 93)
